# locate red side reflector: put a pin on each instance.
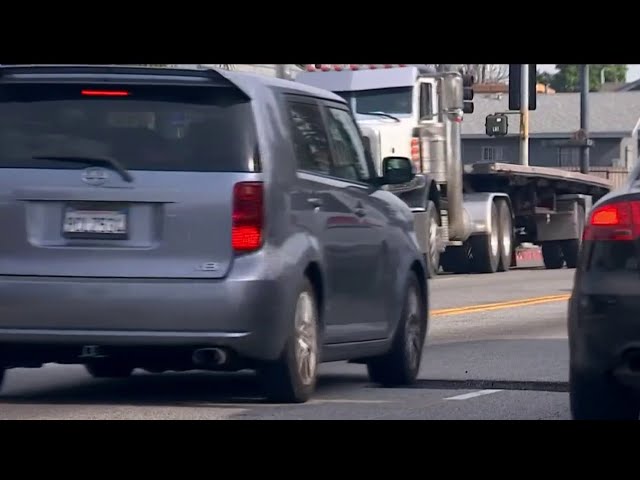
(614, 221)
(248, 216)
(105, 93)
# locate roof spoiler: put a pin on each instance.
(112, 74)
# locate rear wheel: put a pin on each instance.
(457, 259)
(433, 253)
(552, 255)
(292, 378)
(506, 236)
(485, 249)
(400, 366)
(108, 369)
(599, 397)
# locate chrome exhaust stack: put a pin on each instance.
(453, 102)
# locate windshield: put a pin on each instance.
(143, 127)
(387, 100)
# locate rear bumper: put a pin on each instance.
(604, 336)
(247, 316)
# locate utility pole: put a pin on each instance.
(584, 118)
(524, 115)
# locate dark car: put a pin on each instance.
(604, 310)
(173, 219)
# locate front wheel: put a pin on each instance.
(433, 246)
(292, 378)
(400, 366)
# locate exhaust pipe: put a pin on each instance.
(210, 357)
(457, 230)
(452, 103)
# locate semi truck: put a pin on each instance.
(469, 218)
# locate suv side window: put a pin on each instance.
(310, 140)
(349, 156)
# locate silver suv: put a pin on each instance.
(200, 219)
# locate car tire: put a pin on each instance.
(292, 378)
(109, 369)
(599, 397)
(433, 247)
(2, 375)
(401, 365)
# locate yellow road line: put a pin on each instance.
(487, 307)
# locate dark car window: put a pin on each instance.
(144, 127)
(349, 156)
(310, 138)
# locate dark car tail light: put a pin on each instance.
(619, 221)
(248, 216)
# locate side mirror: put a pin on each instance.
(397, 170)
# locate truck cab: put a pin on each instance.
(389, 103)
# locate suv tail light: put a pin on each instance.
(619, 221)
(248, 216)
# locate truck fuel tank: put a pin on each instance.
(434, 160)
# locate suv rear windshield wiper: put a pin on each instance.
(110, 162)
(380, 114)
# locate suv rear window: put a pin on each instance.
(144, 127)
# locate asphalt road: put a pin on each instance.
(497, 349)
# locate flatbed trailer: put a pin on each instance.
(547, 207)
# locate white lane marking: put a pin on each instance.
(467, 396)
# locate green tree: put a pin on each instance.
(567, 78)
(544, 77)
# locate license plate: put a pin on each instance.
(95, 224)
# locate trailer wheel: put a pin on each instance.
(506, 236)
(552, 255)
(485, 249)
(433, 245)
(571, 248)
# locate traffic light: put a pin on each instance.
(515, 78)
(467, 82)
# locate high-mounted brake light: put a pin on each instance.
(248, 216)
(618, 221)
(105, 93)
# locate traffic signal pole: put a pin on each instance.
(524, 115)
(584, 117)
